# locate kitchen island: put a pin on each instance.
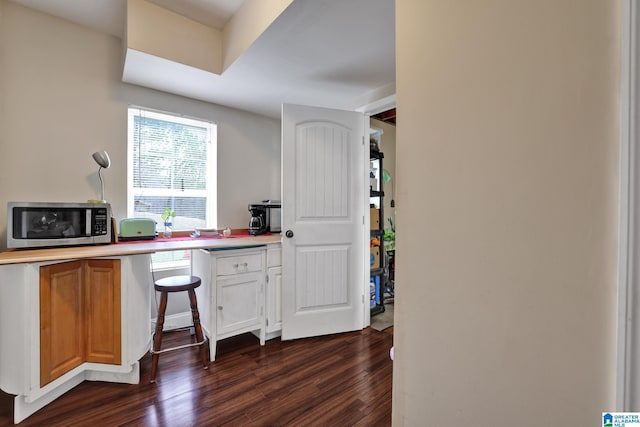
(82, 313)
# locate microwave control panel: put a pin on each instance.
(99, 222)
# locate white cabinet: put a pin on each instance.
(21, 338)
(238, 303)
(274, 292)
(232, 292)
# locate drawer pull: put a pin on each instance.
(235, 265)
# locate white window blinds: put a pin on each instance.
(172, 165)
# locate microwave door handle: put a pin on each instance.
(88, 222)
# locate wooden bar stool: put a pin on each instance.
(177, 284)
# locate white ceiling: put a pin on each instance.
(329, 53)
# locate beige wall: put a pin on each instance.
(61, 99)
(507, 161)
(160, 32)
(251, 20)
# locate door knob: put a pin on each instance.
(289, 234)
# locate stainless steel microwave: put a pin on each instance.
(43, 224)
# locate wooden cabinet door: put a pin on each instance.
(238, 302)
(61, 319)
(79, 316)
(102, 311)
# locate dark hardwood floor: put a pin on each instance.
(336, 380)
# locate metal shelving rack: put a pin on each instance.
(379, 273)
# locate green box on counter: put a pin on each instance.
(137, 229)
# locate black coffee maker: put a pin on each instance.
(258, 220)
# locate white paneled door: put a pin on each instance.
(323, 184)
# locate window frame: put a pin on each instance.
(211, 214)
(211, 170)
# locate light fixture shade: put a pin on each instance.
(102, 158)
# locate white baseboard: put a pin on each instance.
(22, 408)
(174, 321)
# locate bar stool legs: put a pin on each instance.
(195, 315)
(157, 336)
(176, 284)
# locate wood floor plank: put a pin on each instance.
(342, 379)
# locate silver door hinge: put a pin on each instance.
(267, 278)
(362, 139)
(363, 298)
(267, 322)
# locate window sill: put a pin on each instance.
(174, 265)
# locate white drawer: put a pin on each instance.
(274, 257)
(239, 264)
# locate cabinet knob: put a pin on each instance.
(289, 234)
(219, 307)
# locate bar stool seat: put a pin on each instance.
(177, 284)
